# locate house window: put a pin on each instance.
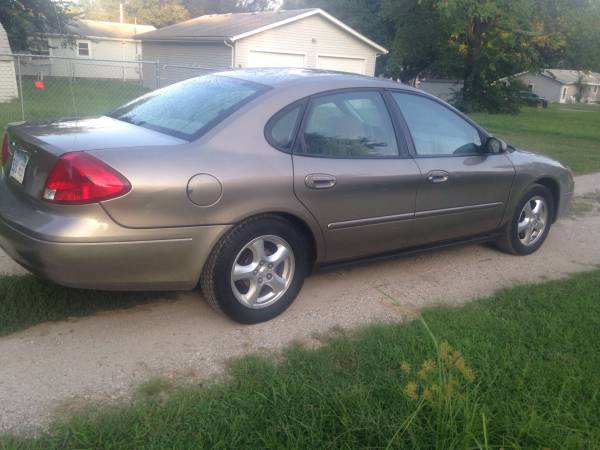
(595, 89)
(84, 49)
(39, 47)
(530, 86)
(564, 93)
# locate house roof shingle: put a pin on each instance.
(220, 26)
(233, 26)
(99, 28)
(564, 76)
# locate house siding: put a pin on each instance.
(87, 67)
(552, 90)
(311, 36)
(215, 56)
(8, 80)
(542, 86)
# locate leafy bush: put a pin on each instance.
(496, 98)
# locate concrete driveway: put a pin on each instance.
(52, 366)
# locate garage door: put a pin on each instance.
(275, 59)
(342, 64)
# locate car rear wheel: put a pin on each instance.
(531, 223)
(256, 271)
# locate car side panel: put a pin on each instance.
(530, 168)
(252, 177)
(472, 200)
(369, 210)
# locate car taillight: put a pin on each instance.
(79, 178)
(5, 150)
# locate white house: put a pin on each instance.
(76, 52)
(8, 79)
(295, 38)
(562, 86)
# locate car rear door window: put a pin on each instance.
(435, 129)
(280, 131)
(352, 124)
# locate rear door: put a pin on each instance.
(354, 174)
(463, 189)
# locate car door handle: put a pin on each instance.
(438, 176)
(320, 181)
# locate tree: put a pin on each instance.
(363, 15)
(21, 18)
(159, 13)
(419, 41)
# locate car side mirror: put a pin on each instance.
(495, 146)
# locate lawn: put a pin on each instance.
(520, 369)
(62, 97)
(570, 133)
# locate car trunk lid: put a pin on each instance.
(34, 148)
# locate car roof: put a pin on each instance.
(286, 77)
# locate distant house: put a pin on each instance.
(85, 42)
(8, 80)
(296, 38)
(442, 88)
(562, 86)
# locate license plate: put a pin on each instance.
(19, 164)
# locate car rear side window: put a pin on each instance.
(352, 124)
(281, 130)
(189, 108)
(435, 129)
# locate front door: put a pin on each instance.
(352, 175)
(463, 189)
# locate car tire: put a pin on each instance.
(527, 224)
(256, 270)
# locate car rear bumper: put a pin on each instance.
(89, 250)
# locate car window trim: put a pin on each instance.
(273, 121)
(402, 151)
(483, 135)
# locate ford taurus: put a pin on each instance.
(244, 181)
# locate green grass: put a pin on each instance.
(27, 300)
(62, 98)
(572, 137)
(518, 370)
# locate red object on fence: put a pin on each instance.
(39, 84)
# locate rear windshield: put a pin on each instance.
(190, 108)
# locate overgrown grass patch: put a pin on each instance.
(520, 369)
(561, 132)
(26, 300)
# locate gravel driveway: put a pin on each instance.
(52, 366)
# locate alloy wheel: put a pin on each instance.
(533, 221)
(262, 271)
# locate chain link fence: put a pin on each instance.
(49, 87)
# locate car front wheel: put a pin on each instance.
(256, 271)
(530, 224)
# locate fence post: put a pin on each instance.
(20, 87)
(157, 73)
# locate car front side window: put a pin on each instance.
(351, 124)
(435, 129)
